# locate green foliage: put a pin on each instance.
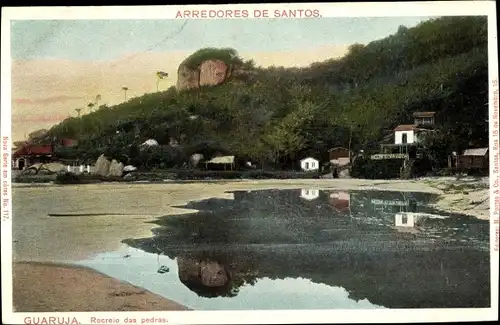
(68, 178)
(377, 169)
(37, 134)
(285, 114)
(227, 55)
(71, 178)
(186, 174)
(436, 146)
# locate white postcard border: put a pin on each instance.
(436, 8)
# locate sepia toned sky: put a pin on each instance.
(58, 66)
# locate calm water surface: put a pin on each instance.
(310, 249)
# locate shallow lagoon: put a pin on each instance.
(310, 249)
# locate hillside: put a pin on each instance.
(275, 116)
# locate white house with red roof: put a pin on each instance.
(407, 134)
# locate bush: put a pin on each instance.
(68, 178)
(227, 55)
(27, 178)
(192, 174)
(377, 169)
(71, 178)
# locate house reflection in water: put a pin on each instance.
(405, 219)
(309, 194)
(410, 221)
(341, 201)
(399, 205)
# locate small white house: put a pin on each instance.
(309, 194)
(405, 134)
(309, 164)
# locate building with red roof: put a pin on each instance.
(31, 153)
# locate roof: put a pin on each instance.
(424, 114)
(150, 142)
(406, 127)
(69, 142)
(308, 158)
(337, 148)
(29, 149)
(221, 160)
(476, 152)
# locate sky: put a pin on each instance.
(60, 66)
(91, 40)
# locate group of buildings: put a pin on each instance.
(408, 139)
(404, 142)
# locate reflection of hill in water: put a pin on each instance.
(339, 239)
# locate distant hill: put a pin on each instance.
(277, 115)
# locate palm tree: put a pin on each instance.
(90, 106)
(78, 111)
(160, 75)
(125, 92)
(97, 99)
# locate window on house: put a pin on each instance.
(307, 165)
(404, 138)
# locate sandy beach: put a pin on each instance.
(61, 224)
(61, 288)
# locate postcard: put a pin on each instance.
(250, 163)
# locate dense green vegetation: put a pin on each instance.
(283, 114)
(227, 55)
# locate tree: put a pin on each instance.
(160, 75)
(436, 146)
(97, 99)
(18, 144)
(125, 89)
(78, 111)
(37, 134)
(90, 106)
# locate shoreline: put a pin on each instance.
(473, 201)
(58, 287)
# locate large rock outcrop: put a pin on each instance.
(195, 159)
(115, 169)
(213, 72)
(102, 166)
(187, 78)
(212, 67)
(105, 167)
(208, 73)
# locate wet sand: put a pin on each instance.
(467, 195)
(48, 287)
(54, 223)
